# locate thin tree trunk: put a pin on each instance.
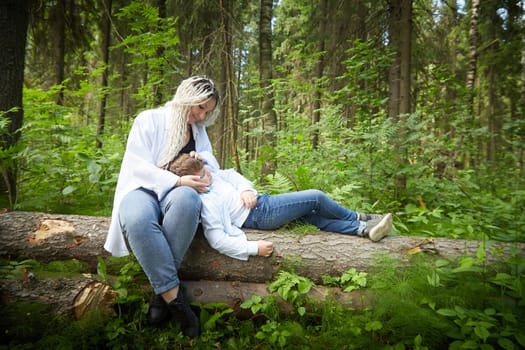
(357, 27)
(60, 47)
(159, 96)
(265, 70)
(445, 127)
(230, 92)
(405, 49)
(491, 147)
(473, 38)
(521, 135)
(394, 73)
(494, 123)
(400, 28)
(316, 115)
(13, 26)
(104, 83)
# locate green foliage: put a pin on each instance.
(432, 292)
(152, 46)
(349, 281)
(427, 304)
(15, 269)
(30, 268)
(60, 170)
(292, 288)
(211, 315)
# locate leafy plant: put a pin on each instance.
(484, 329)
(349, 281)
(210, 319)
(291, 288)
(273, 333)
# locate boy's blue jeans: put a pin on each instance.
(160, 233)
(311, 206)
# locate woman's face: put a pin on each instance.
(198, 112)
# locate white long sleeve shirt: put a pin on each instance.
(145, 145)
(223, 214)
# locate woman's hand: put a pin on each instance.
(198, 183)
(195, 155)
(265, 248)
(248, 199)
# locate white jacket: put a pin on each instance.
(223, 214)
(145, 145)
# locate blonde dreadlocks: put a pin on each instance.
(193, 91)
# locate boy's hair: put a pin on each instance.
(186, 165)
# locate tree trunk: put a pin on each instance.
(48, 237)
(265, 70)
(59, 21)
(159, 91)
(75, 297)
(104, 83)
(521, 134)
(405, 53)
(13, 26)
(65, 296)
(230, 92)
(473, 38)
(400, 30)
(316, 115)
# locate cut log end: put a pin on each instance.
(94, 296)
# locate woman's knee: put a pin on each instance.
(138, 209)
(183, 198)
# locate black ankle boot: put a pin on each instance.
(181, 312)
(158, 311)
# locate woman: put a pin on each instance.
(232, 203)
(155, 212)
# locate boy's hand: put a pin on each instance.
(248, 199)
(265, 248)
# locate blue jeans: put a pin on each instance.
(160, 233)
(311, 206)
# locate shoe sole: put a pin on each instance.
(381, 230)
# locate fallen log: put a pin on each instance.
(47, 237)
(76, 297)
(72, 297)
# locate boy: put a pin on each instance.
(232, 203)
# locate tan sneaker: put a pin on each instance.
(368, 217)
(378, 228)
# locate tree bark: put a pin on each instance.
(73, 297)
(473, 38)
(265, 73)
(14, 17)
(316, 115)
(106, 26)
(230, 92)
(59, 22)
(400, 31)
(48, 237)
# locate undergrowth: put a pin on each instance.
(429, 303)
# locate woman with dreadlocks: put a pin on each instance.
(155, 212)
